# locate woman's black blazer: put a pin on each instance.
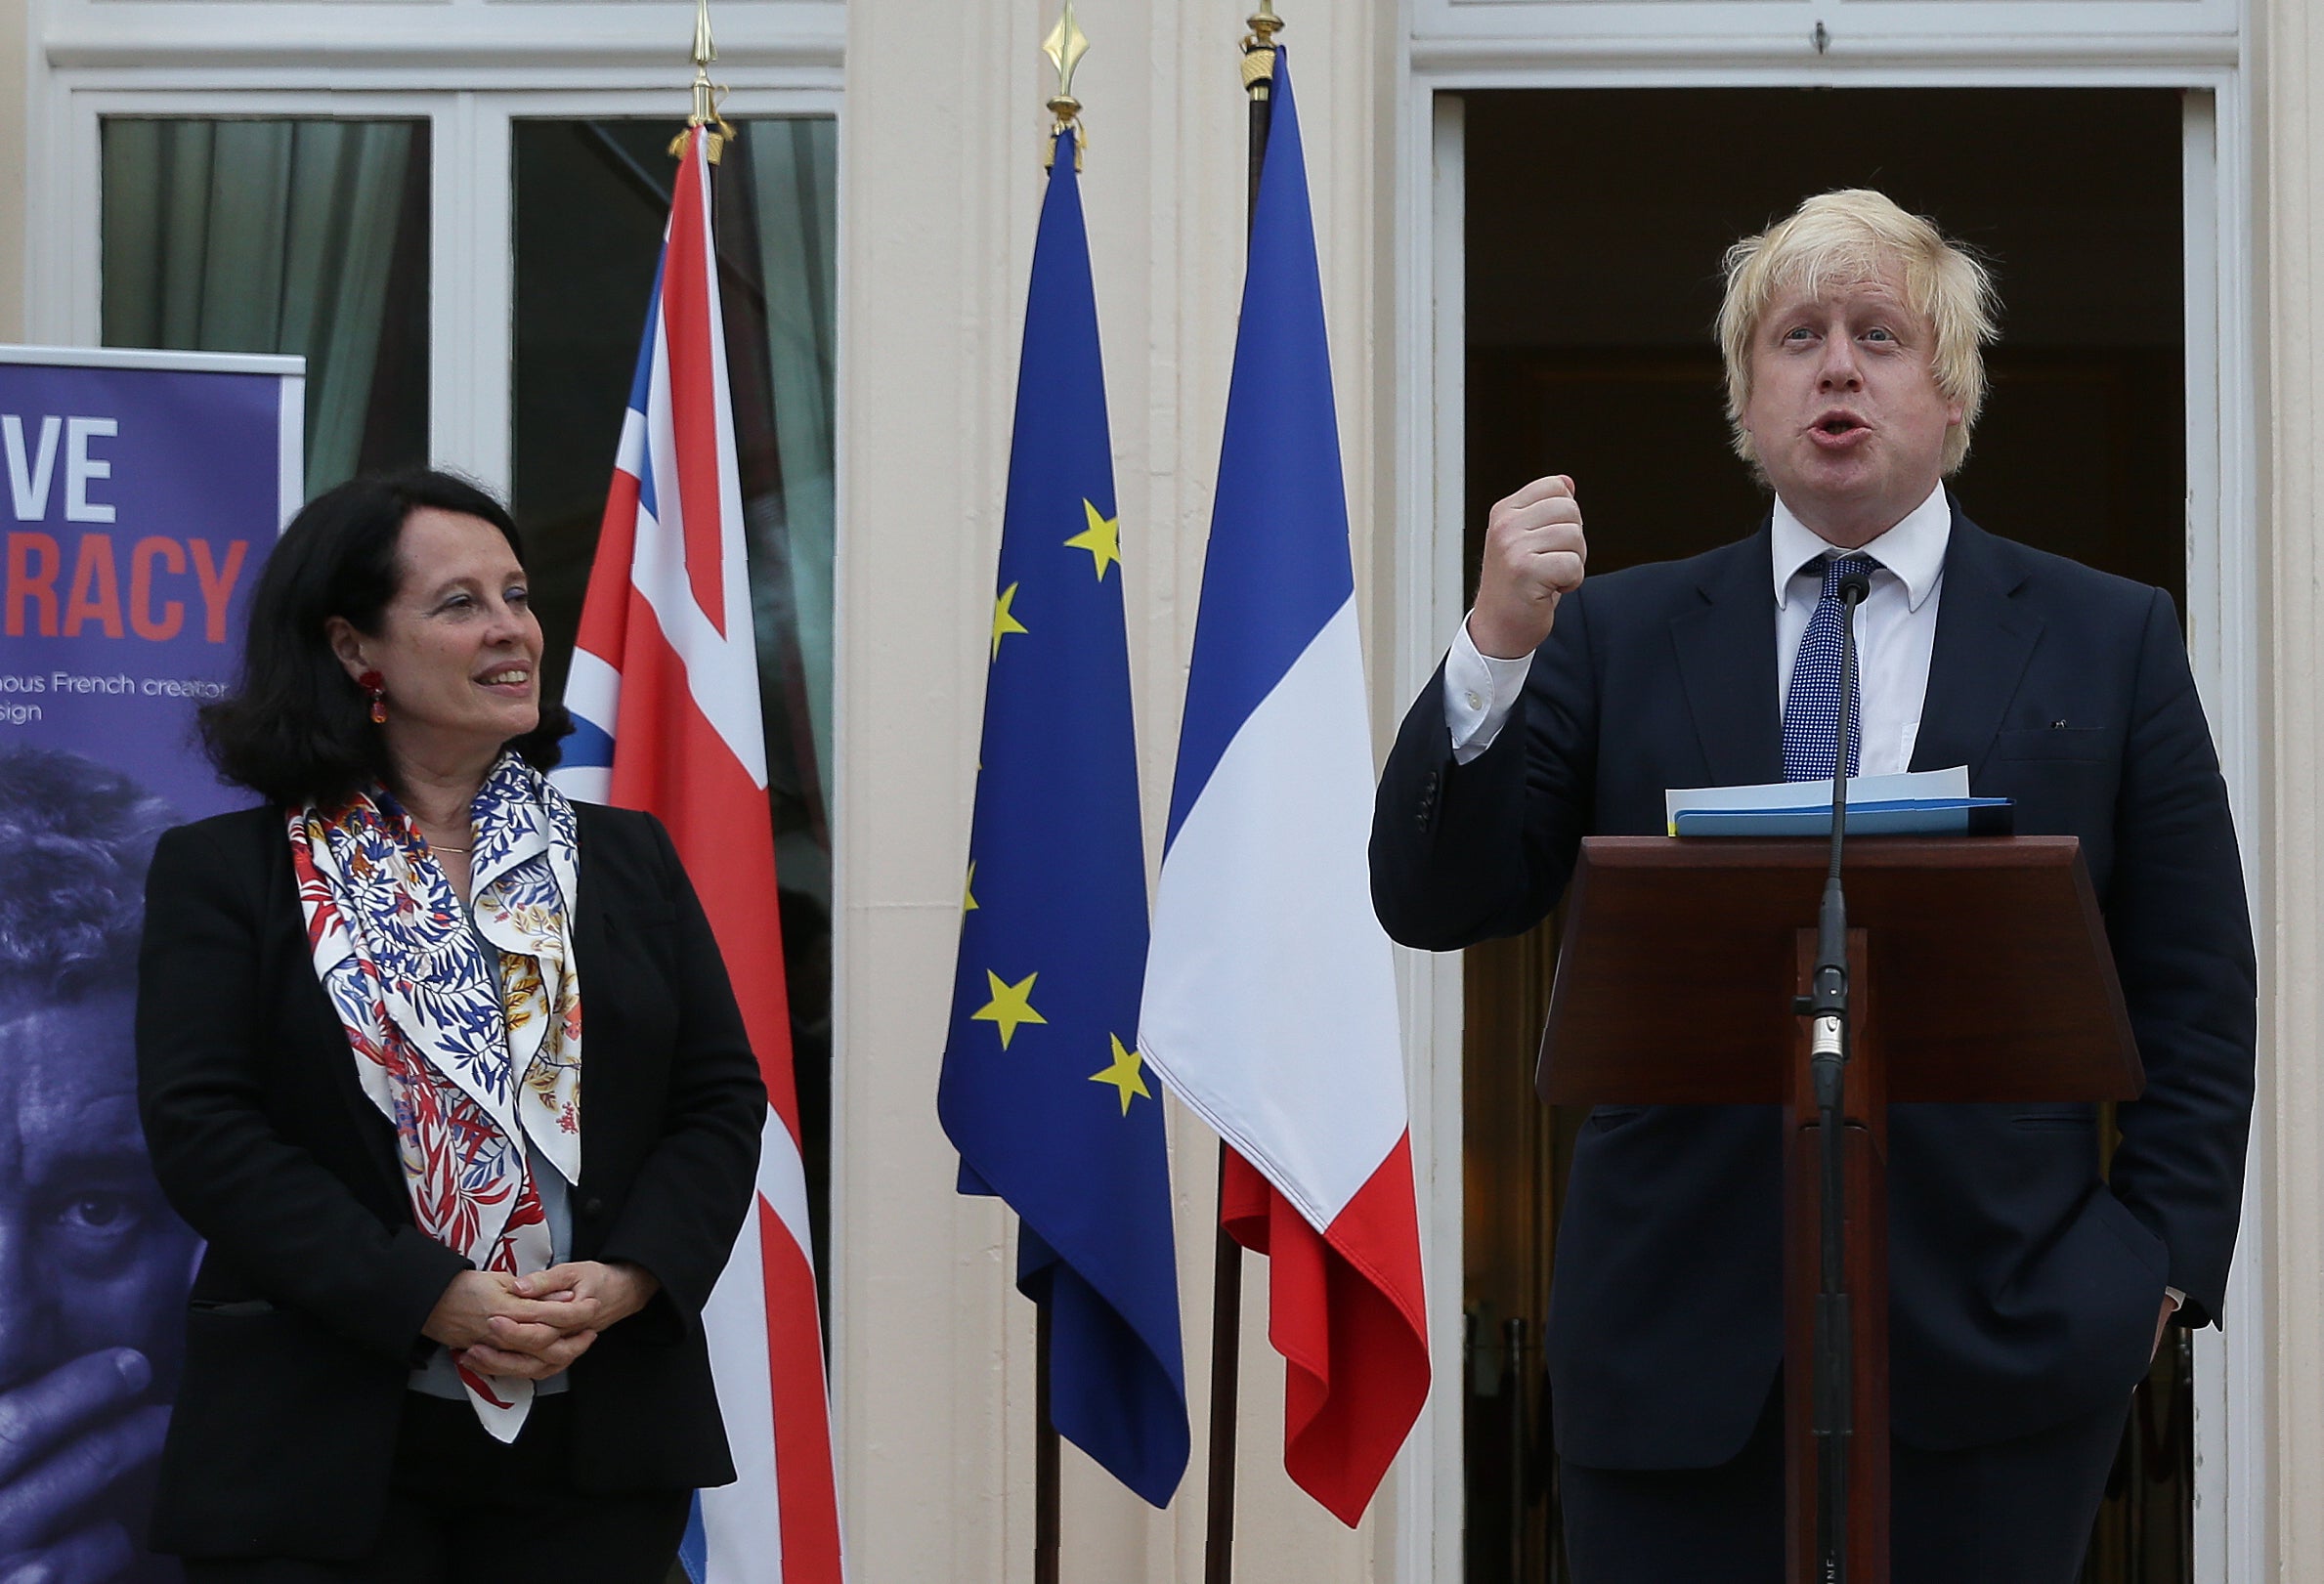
(304, 1321)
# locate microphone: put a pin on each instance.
(1827, 1052)
(1829, 1000)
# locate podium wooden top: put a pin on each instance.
(1991, 976)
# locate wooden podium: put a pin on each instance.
(1978, 971)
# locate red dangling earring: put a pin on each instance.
(376, 685)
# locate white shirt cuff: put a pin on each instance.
(1480, 690)
(2178, 1300)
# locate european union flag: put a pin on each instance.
(1044, 1091)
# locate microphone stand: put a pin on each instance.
(1826, 1001)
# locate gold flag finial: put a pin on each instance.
(1066, 45)
(1259, 50)
(714, 130)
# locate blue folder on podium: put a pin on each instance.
(1918, 803)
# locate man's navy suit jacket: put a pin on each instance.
(2024, 1289)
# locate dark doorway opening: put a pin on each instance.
(1596, 223)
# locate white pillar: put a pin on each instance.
(2290, 1118)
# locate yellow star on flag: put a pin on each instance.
(1102, 538)
(1004, 622)
(1011, 1004)
(968, 889)
(1125, 1074)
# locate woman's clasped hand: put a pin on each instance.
(535, 1326)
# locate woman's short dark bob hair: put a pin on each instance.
(296, 729)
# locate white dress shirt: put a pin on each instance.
(1896, 630)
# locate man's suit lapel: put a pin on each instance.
(1984, 639)
(1726, 646)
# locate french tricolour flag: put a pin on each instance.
(1270, 1001)
(664, 695)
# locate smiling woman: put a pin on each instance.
(398, 565)
(451, 668)
(415, 1340)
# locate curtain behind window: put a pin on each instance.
(302, 237)
(793, 171)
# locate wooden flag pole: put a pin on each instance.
(1046, 1526)
(1066, 45)
(1259, 81)
(1227, 1315)
(1226, 1280)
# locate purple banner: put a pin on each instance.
(142, 492)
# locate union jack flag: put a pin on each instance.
(664, 696)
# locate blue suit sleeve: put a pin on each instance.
(1467, 852)
(2180, 928)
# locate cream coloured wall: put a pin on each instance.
(943, 180)
(16, 32)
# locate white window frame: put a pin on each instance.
(2224, 607)
(1844, 32)
(433, 43)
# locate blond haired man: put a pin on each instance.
(2026, 1294)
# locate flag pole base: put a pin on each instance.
(1227, 1316)
(1045, 1474)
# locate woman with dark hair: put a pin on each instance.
(448, 1326)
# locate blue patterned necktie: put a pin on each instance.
(1812, 709)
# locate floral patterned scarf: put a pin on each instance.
(467, 1070)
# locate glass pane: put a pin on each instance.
(303, 237)
(591, 200)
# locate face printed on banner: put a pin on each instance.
(458, 648)
(1844, 413)
(93, 1277)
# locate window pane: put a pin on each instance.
(590, 203)
(306, 237)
